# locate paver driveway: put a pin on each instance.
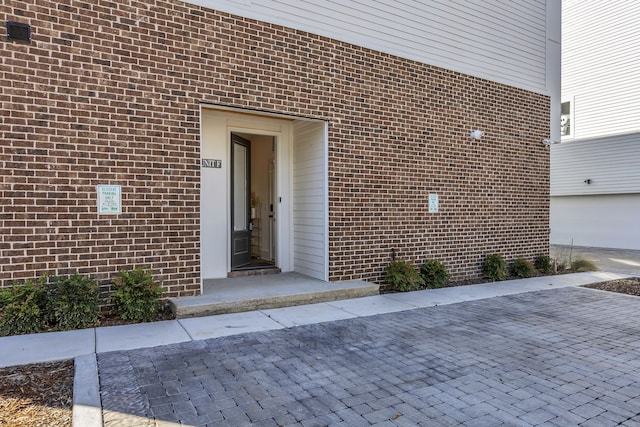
(560, 357)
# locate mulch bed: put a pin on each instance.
(110, 319)
(42, 394)
(37, 395)
(623, 286)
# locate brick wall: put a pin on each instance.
(109, 92)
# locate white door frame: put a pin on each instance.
(282, 232)
(215, 212)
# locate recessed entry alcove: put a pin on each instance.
(263, 197)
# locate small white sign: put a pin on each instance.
(433, 203)
(109, 199)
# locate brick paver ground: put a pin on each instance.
(552, 358)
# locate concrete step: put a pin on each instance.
(234, 295)
(254, 272)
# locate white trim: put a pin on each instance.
(282, 258)
(251, 111)
(572, 118)
(326, 205)
(553, 53)
(604, 137)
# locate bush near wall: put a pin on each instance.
(522, 268)
(401, 276)
(136, 295)
(23, 308)
(73, 302)
(434, 274)
(495, 267)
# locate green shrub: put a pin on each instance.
(402, 277)
(136, 295)
(434, 274)
(544, 264)
(522, 267)
(74, 301)
(495, 267)
(582, 265)
(22, 308)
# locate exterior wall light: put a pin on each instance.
(476, 134)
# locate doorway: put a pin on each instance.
(252, 201)
(287, 174)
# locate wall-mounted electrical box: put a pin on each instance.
(18, 31)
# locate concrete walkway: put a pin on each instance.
(53, 346)
(115, 342)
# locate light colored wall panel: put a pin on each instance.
(612, 164)
(600, 62)
(609, 221)
(214, 194)
(310, 251)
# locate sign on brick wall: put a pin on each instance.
(109, 199)
(434, 204)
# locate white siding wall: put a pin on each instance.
(600, 63)
(605, 221)
(612, 165)
(310, 198)
(509, 42)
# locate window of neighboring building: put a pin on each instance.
(566, 119)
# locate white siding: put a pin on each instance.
(600, 59)
(612, 164)
(600, 63)
(605, 221)
(310, 198)
(503, 41)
